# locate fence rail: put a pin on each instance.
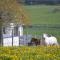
(45, 26)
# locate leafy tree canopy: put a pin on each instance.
(11, 11)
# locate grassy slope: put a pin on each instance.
(41, 14)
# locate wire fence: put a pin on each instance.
(43, 28)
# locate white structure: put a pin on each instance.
(50, 40)
(7, 41)
(20, 29)
(8, 29)
(8, 38)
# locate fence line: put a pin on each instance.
(26, 38)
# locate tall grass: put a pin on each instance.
(30, 53)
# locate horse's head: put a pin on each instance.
(45, 35)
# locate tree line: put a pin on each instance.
(32, 2)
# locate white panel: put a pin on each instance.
(16, 41)
(21, 30)
(7, 42)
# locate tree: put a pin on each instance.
(11, 11)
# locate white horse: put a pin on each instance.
(50, 40)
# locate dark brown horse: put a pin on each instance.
(34, 41)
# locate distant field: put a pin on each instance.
(43, 14)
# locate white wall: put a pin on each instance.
(8, 41)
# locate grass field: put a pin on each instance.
(48, 15)
(43, 14)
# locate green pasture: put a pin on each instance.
(43, 14)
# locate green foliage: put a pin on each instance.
(30, 53)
